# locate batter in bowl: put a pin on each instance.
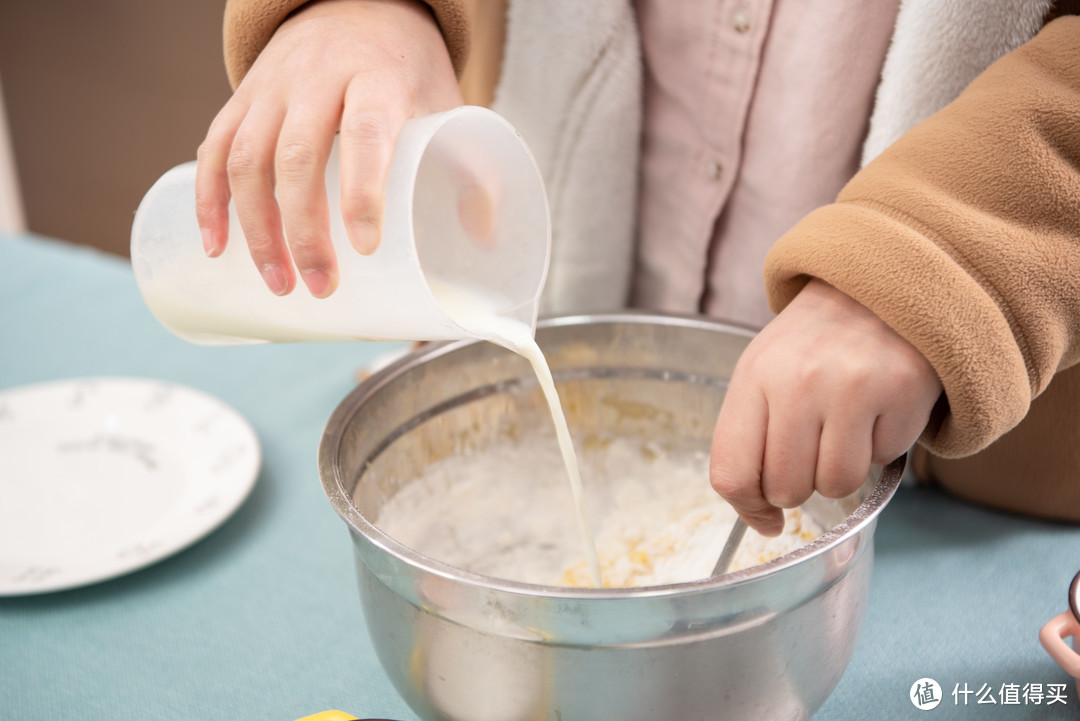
(506, 512)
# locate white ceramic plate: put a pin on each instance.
(102, 476)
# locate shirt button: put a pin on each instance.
(740, 19)
(714, 169)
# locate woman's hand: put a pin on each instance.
(825, 390)
(358, 67)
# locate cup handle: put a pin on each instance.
(1053, 635)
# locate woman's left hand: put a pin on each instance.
(824, 391)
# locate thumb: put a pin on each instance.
(367, 148)
(738, 450)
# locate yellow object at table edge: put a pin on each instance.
(330, 716)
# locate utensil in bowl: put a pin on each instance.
(731, 545)
(769, 641)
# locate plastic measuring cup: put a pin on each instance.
(446, 168)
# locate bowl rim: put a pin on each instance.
(359, 525)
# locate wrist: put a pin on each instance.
(445, 17)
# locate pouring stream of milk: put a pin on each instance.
(478, 314)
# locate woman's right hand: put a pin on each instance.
(357, 67)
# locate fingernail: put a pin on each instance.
(364, 237)
(275, 279)
(318, 282)
(477, 214)
(208, 242)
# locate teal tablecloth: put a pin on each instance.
(260, 620)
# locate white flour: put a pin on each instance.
(507, 512)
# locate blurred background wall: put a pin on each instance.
(103, 97)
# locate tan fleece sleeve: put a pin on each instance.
(964, 236)
(249, 24)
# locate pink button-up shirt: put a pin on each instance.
(755, 114)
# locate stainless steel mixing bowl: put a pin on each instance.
(768, 642)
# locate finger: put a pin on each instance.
(212, 180)
(476, 210)
(901, 422)
(790, 458)
(478, 206)
(844, 455)
(894, 433)
(251, 177)
(736, 457)
(300, 170)
(367, 143)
